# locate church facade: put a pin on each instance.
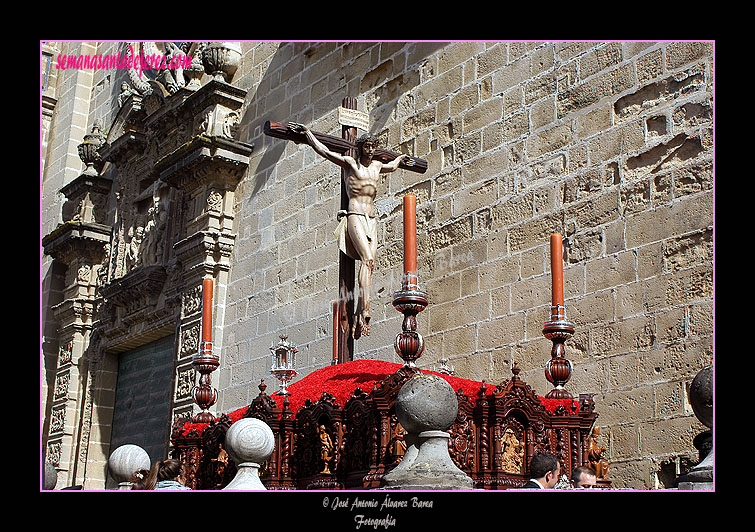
(159, 177)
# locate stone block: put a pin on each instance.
(531, 292)
(534, 232)
(475, 197)
(688, 251)
(460, 341)
(674, 361)
(627, 404)
(610, 271)
(514, 73)
(622, 370)
(681, 53)
(464, 100)
(603, 57)
(498, 273)
(587, 377)
(458, 313)
(487, 112)
(501, 331)
(597, 307)
(624, 442)
(549, 140)
(593, 90)
(540, 87)
(668, 435)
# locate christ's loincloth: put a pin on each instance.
(344, 242)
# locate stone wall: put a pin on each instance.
(610, 144)
(607, 143)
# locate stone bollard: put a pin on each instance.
(700, 477)
(125, 461)
(249, 442)
(426, 406)
(51, 476)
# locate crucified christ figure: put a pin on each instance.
(357, 231)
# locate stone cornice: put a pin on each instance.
(77, 237)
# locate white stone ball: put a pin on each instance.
(127, 460)
(249, 440)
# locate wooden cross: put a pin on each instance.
(343, 343)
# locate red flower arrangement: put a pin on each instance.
(341, 380)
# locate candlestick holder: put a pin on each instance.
(409, 344)
(204, 395)
(284, 361)
(558, 369)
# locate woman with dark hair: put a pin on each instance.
(164, 475)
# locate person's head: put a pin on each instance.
(366, 145)
(169, 469)
(545, 468)
(139, 479)
(583, 477)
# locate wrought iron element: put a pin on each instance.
(204, 395)
(284, 362)
(558, 369)
(409, 344)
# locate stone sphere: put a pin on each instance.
(127, 460)
(426, 402)
(51, 476)
(249, 440)
(701, 396)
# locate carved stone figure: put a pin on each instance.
(357, 232)
(153, 233)
(126, 93)
(133, 251)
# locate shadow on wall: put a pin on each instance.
(384, 85)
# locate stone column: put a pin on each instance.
(80, 244)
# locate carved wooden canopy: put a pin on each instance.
(496, 432)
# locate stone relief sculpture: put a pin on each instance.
(172, 79)
(133, 256)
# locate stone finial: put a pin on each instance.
(125, 461)
(221, 60)
(700, 477)
(88, 150)
(249, 442)
(426, 406)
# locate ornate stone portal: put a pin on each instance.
(148, 219)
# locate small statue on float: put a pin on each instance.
(595, 455)
(326, 449)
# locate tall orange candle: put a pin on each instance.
(410, 239)
(557, 270)
(335, 331)
(207, 310)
